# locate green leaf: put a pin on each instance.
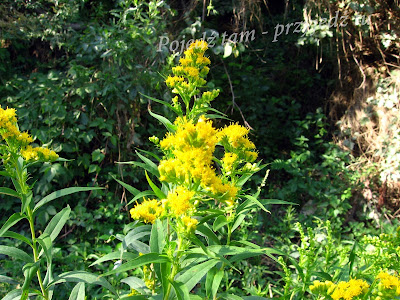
(208, 233)
(352, 257)
(149, 153)
(219, 222)
(57, 223)
(213, 280)
(61, 193)
(157, 237)
(167, 123)
(181, 290)
(156, 190)
(256, 202)
(114, 255)
(15, 253)
(7, 279)
(78, 292)
(192, 276)
(82, 276)
(17, 236)
(138, 262)
(26, 200)
(152, 167)
(238, 221)
(12, 220)
(136, 283)
(29, 270)
(140, 195)
(276, 201)
(10, 192)
(45, 241)
(137, 233)
(13, 295)
(142, 166)
(130, 188)
(163, 103)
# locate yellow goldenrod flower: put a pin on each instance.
(319, 287)
(388, 282)
(179, 200)
(148, 211)
(29, 153)
(24, 138)
(201, 60)
(190, 223)
(191, 72)
(171, 81)
(199, 46)
(229, 160)
(348, 290)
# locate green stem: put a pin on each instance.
(24, 189)
(35, 252)
(228, 239)
(175, 269)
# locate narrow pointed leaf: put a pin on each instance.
(156, 190)
(153, 168)
(256, 202)
(114, 256)
(138, 262)
(15, 253)
(193, 275)
(157, 237)
(163, 103)
(17, 236)
(57, 223)
(7, 279)
(61, 193)
(182, 292)
(140, 195)
(130, 188)
(167, 123)
(12, 220)
(86, 277)
(8, 191)
(78, 292)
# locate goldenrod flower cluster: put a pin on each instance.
(324, 288)
(348, 290)
(148, 211)
(190, 156)
(389, 285)
(19, 141)
(189, 75)
(189, 166)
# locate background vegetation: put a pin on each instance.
(322, 105)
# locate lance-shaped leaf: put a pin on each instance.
(57, 223)
(61, 193)
(193, 275)
(78, 292)
(15, 253)
(138, 262)
(167, 123)
(8, 191)
(12, 220)
(86, 277)
(156, 190)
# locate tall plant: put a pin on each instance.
(17, 156)
(183, 226)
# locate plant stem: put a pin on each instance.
(174, 270)
(35, 252)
